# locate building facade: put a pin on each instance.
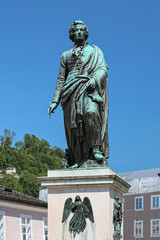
(142, 205)
(22, 217)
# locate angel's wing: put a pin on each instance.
(67, 209)
(89, 214)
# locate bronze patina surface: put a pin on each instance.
(81, 210)
(82, 89)
(117, 217)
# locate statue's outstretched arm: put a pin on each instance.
(60, 81)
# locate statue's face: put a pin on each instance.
(79, 33)
(77, 198)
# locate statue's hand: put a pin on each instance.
(52, 107)
(91, 84)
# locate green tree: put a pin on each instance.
(31, 158)
(6, 140)
(10, 181)
(30, 183)
(2, 161)
(57, 151)
(19, 145)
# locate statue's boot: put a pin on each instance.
(74, 166)
(98, 155)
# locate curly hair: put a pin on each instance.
(72, 29)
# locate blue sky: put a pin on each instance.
(34, 33)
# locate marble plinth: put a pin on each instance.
(100, 185)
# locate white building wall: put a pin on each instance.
(12, 219)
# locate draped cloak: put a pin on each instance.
(72, 89)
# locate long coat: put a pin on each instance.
(77, 67)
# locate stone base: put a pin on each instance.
(100, 185)
(117, 238)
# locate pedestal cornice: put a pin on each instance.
(84, 177)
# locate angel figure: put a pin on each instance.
(81, 210)
(117, 217)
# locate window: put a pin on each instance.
(138, 228)
(45, 228)
(2, 224)
(139, 203)
(155, 227)
(155, 201)
(26, 231)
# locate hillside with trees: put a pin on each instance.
(31, 157)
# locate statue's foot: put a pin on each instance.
(118, 235)
(74, 166)
(98, 156)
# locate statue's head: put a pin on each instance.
(78, 31)
(77, 198)
(116, 198)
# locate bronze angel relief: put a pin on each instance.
(81, 211)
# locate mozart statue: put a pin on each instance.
(82, 89)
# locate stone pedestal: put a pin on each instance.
(100, 185)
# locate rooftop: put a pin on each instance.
(11, 195)
(143, 181)
(129, 176)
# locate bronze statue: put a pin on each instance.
(117, 217)
(81, 88)
(81, 210)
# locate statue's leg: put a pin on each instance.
(92, 127)
(76, 146)
(74, 142)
